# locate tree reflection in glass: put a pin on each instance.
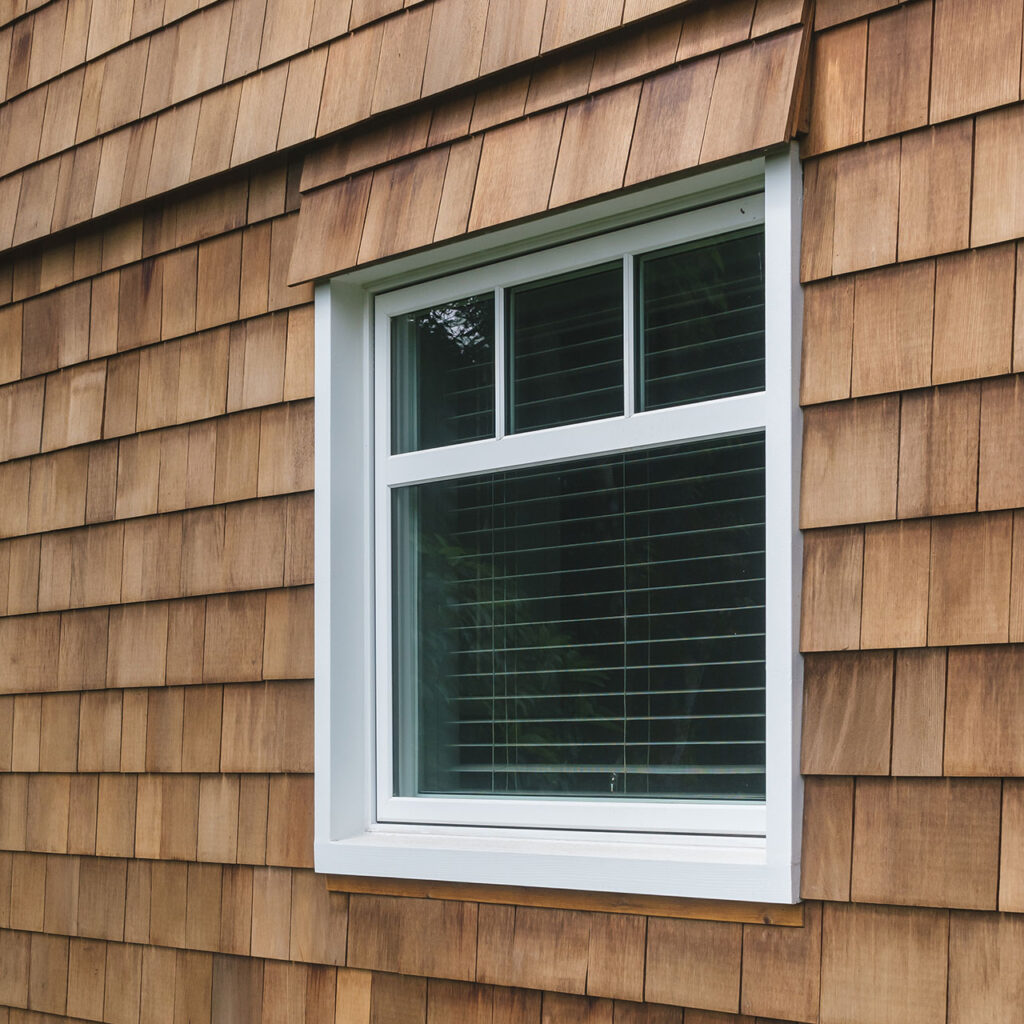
(442, 375)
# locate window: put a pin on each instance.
(556, 551)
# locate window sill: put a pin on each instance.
(688, 867)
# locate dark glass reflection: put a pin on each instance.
(590, 628)
(701, 322)
(442, 375)
(565, 350)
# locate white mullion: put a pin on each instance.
(499, 363)
(718, 418)
(628, 334)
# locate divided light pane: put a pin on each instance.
(700, 321)
(565, 360)
(442, 375)
(589, 628)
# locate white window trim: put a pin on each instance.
(350, 837)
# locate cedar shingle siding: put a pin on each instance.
(173, 175)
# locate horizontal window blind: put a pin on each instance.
(588, 628)
(565, 349)
(701, 321)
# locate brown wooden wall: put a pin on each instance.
(158, 161)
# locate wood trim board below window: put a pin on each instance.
(785, 915)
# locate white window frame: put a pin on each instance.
(695, 849)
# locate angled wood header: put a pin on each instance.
(683, 94)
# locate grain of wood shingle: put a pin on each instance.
(939, 431)
(969, 593)
(827, 838)
(847, 712)
(837, 88)
(997, 198)
(782, 968)
(694, 963)
(860, 436)
(918, 712)
(895, 857)
(882, 964)
(975, 59)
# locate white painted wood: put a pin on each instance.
(696, 870)
(628, 335)
(678, 817)
(718, 418)
(784, 433)
(343, 536)
(500, 384)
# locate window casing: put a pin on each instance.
(392, 793)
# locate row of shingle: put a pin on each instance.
(242, 911)
(281, 913)
(915, 842)
(253, 363)
(236, 276)
(244, 819)
(83, 29)
(238, 727)
(238, 200)
(931, 191)
(865, 713)
(240, 637)
(248, 35)
(242, 455)
(127, 984)
(933, 452)
(931, 321)
(885, 712)
(853, 964)
(632, 53)
(952, 580)
(923, 63)
(924, 712)
(251, 545)
(590, 147)
(91, 980)
(64, 34)
(137, 62)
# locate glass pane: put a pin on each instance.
(442, 375)
(701, 322)
(590, 628)
(565, 350)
